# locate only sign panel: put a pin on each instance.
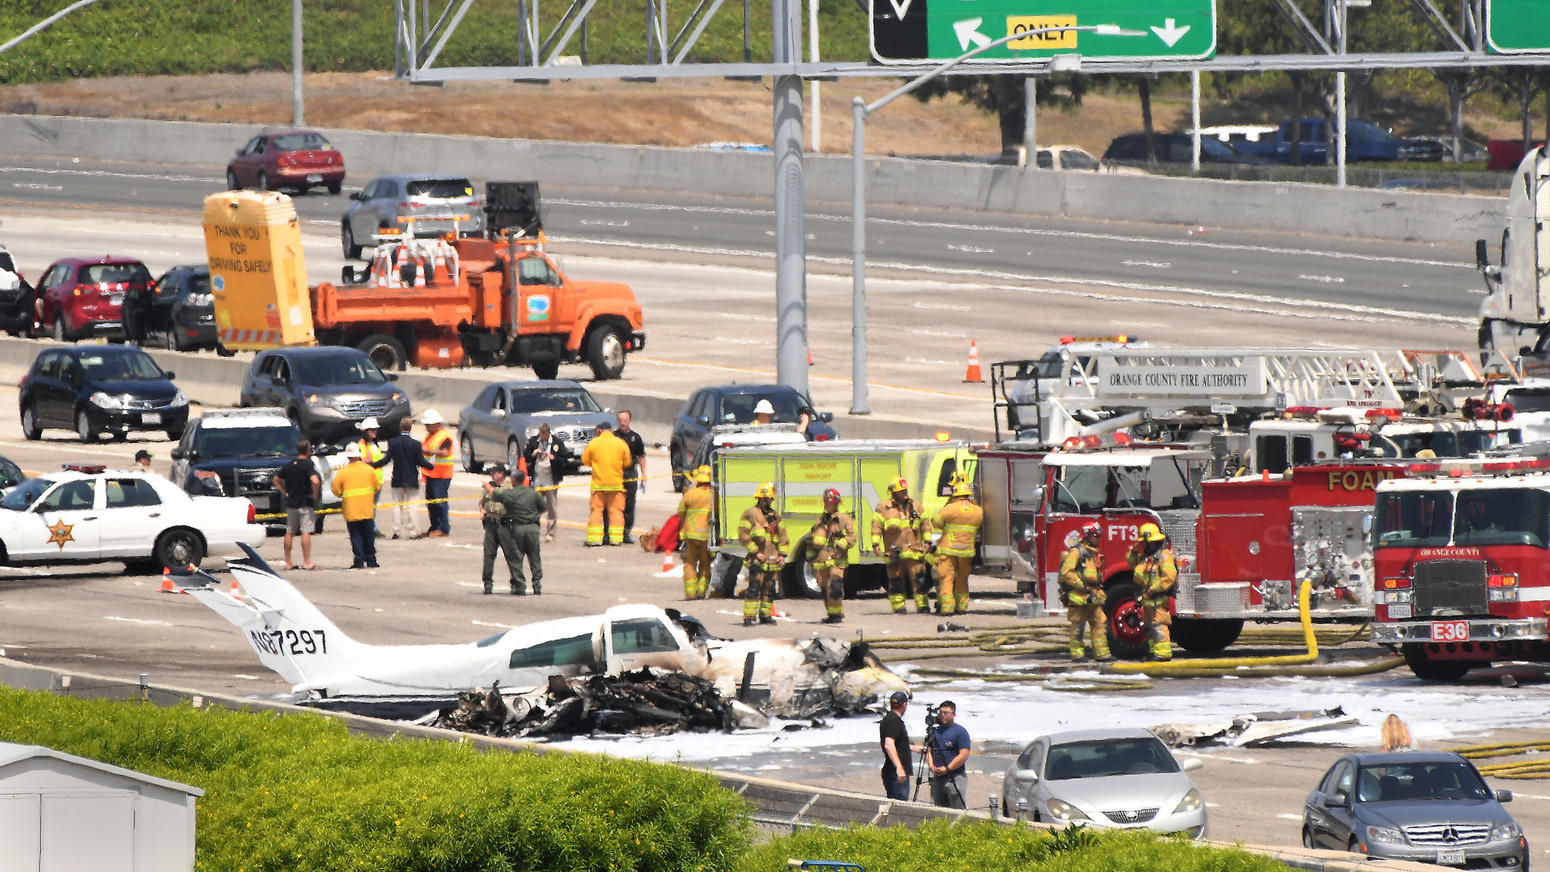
(915, 31)
(1514, 26)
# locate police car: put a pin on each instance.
(90, 514)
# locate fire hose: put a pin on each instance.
(1232, 664)
(1523, 769)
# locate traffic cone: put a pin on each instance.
(166, 583)
(809, 357)
(973, 373)
(667, 562)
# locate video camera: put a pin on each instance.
(933, 717)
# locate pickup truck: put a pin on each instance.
(1365, 141)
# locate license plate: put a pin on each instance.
(1400, 612)
(150, 417)
(1450, 631)
(1450, 856)
(314, 178)
(116, 299)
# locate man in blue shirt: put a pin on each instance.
(949, 758)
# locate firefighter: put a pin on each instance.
(762, 534)
(1081, 592)
(829, 552)
(1156, 572)
(607, 455)
(958, 524)
(694, 531)
(898, 535)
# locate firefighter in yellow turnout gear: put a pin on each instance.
(898, 534)
(763, 535)
(1081, 591)
(694, 531)
(958, 524)
(829, 552)
(1156, 572)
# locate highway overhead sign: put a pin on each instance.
(1514, 26)
(917, 31)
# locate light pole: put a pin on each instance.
(859, 110)
(298, 112)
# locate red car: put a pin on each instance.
(297, 159)
(80, 296)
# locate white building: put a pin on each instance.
(62, 813)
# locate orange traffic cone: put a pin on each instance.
(236, 589)
(167, 586)
(973, 373)
(667, 562)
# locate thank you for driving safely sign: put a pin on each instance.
(916, 31)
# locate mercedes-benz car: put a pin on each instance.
(498, 423)
(1112, 779)
(1423, 806)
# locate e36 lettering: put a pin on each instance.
(283, 642)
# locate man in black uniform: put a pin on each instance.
(896, 748)
(635, 473)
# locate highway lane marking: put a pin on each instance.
(1255, 303)
(1327, 280)
(109, 174)
(971, 249)
(950, 307)
(1030, 231)
(1154, 264)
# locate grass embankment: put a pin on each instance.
(297, 793)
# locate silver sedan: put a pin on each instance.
(1113, 779)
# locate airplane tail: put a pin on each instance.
(284, 628)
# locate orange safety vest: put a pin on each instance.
(428, 448)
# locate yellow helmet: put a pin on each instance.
(766, 491)
(897, 485)
(962, 486)
(1149, 533)
(702, 475)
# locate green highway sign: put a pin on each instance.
(1514, 26)
(915, 31)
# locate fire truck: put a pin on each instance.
(1461, 566)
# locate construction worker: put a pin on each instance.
(694, 532)
(764, 412)
(1081, 592)
(829, 552)
(356, 486)
(1156, 572)
(609, 456)
(957, 524)
(436, 448)
(898, 534)
(373, 457)
(763, 535)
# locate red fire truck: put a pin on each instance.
(1461, 566)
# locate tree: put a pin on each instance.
(1006, 96)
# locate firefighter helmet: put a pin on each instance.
(1093, 529)
(1149, 533)
(962, 487)
(831, 494)
(702, 475)
(898, 484)
(765, 491)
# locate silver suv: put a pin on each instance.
(436, 203)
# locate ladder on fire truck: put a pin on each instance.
(1110, 389)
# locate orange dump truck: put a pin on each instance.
(439, 303)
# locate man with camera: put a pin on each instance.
(895, 740)
(947, 744)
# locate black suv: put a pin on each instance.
(178, 313)
(1171, 148)
(97, 388)
(16, 298)
(326, 390)
(719, 405)
(236, 453)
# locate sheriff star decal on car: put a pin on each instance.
(59, 533)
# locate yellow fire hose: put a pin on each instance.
(1520, 769)
(1195, 667)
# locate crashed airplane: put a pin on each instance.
(781, 677)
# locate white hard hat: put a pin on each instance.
(353, 451)
(764, 408)
(370, 424)
(431, 416)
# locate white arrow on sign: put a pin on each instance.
(901, 8)
(1170, 33)
(968, 31)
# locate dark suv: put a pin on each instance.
(720, 405)
(326, 390)
(177, 312)
(236, 453)
(1171, 148)
(97, 388)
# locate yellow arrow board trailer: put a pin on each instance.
(258, 275)
(861, 470)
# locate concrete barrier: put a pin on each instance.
(1276, 206)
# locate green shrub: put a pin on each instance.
(296, 792)
(988, 847)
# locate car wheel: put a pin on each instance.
(385, 351)
(301, 190)
(680, 474)
(1427, 669)
(30, 428)
(1126, 622)
(547, 370)
(263, 181)
(1202, 636)
(179, 548)
(1307, 838)
(175, 435)
(513, 457)
(61, 332)
(1353, 847)
(120, 435)
(466, 453)
(170, 340)
(83, 427)
(605, 353)
(334, 187)
(231, 180)
(222, 351)
(347, 241)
